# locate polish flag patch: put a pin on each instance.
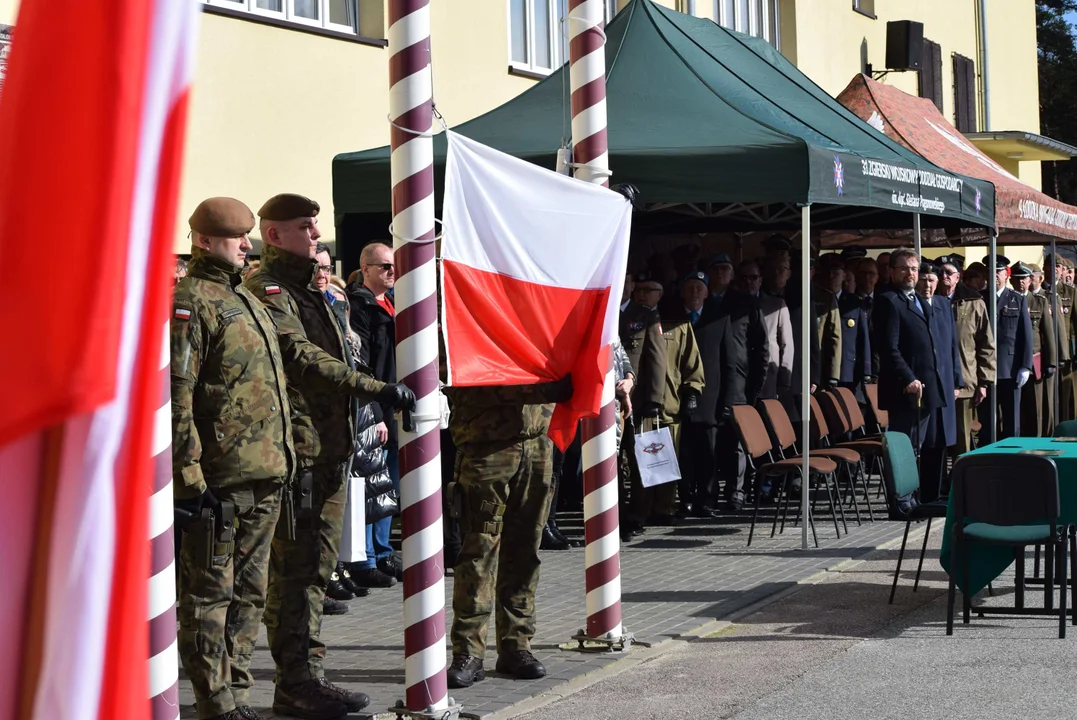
(182, 314)
(272, 289)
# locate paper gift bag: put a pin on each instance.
(656, 457)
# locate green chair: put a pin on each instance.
(1010, 501)
(900, 479)
(1066, 429)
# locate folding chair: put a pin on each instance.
(819, 435)
(762, 461)
(840, 420)
(1008, 500)
(899, 473)
(880, 418)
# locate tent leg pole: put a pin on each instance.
(805, 368)
(1055, 379)
(992, 307)
(917, 237)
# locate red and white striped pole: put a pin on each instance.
(163, 662)
(411, 114)
(587, 73)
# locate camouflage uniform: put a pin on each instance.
(231, 432)
(503, 490)
(321, 386)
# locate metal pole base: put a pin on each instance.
(618, 643)
(452, 712)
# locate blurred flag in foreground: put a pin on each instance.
(92, 121)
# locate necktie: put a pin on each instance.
(693, 315)
(915, 302)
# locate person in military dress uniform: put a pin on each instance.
(231, 455)
(1037, 397)
(827, 323)
(1013, 356)
(501, 494)
(321, 387)
(1066, 294)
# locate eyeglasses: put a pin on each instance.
(384, 266)
(948, 273)
(327, 269)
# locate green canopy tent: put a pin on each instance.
(717, 130)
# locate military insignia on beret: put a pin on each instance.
(182, 314)
(850, 322)
(272, 289)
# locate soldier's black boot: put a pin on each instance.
(465, 671)
(348, 583)
(392, 567)
(550, 541)
(354, 701)
(246, 712)
(551, 523)
(335, 590)
(307, 700)
(521, 664)
(333, 607)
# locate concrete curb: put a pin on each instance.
(642, 655)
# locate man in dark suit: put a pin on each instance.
(911, 386)
(941, 431)
(748, 337)
(1013, 356)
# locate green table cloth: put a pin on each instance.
(988, 562)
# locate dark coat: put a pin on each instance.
(855, 339)
(907, 352)
(948, 357)
(1014, 342)
(716, 351)
(868, 303)
(377, 330)
(748, 335)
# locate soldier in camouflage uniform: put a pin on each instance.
(321, 386)
(231, 447)
(501, 494)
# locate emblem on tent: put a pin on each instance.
(839, 175)
(979, 197)
(654, 448)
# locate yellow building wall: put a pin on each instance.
(8, 10)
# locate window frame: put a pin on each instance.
(869, 11)
(558, 39)
(287, 13)
(759, 14)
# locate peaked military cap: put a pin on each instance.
(222, 217)
(721, 259)
(698, 275)
(851, 253)
(288, 206)
(831, 260)
(1001, 261)
(958, 261)
(1020, 270)
(777, 244)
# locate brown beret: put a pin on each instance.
(288, 206)
(222, 217)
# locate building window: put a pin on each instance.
(964, 94)
(865, 7)
(931, 73)
(688, 7)
(758, 18)
(538, 34)
(338, 15)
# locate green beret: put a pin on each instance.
(222, 217)
(288, 206)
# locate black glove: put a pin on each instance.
(1050, 371)
(689, 401)
(194, 506)
(398, 395)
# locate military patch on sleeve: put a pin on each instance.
(635, 326)
(231, 313)
(272, 289)
(182, 314)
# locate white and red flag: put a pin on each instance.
(92, 121)
(533, 263)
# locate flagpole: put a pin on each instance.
(587, 78)
(163, 657)
(411, 108)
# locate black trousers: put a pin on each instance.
(1009, 413)
(698, 484)
(731, 462)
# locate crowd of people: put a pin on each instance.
(285, 446)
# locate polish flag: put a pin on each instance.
(533, 264)
(92, 120)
